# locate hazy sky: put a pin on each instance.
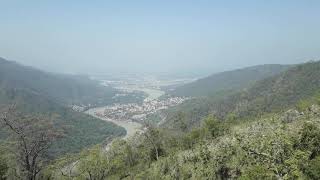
(158, 36)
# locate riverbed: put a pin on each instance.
(131, 127)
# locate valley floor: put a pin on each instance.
(130, 126)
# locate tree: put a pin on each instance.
(214, 127)
(32, 137)
(153, 139)
(310, 139)
(95, 166)
(180, 121)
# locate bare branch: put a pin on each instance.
(32, 137)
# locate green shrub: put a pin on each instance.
(310, 139)
(214, 127)
(303, 105)
(257, 172)
(313, 168)
(3, 168)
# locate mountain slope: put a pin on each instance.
(274, 93)
(228, 81)
(275, 146)
(64, 89)
(271, 94)
(39, 93)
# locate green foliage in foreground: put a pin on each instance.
(313, 168)
(264, 148)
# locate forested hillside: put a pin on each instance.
(65, 89)
(40, 94)
(77, 130)
(227, 82)
(272, 94)
(274, 146)
(268, 131)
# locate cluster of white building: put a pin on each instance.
(138, 112)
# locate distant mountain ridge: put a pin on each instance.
(228, 81)
(65, 89)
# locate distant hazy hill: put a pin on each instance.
(272, 94)
(61, 88)
(36, 92)
(228, 81)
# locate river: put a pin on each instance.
(131, 127)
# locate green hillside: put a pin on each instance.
(78, 130)
(272, 94)
(39, 93)
(65, 89)
(268, 131)
(228, 82)
(273, 146)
